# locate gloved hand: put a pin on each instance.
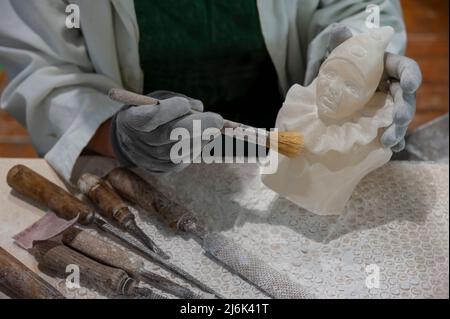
(140, 135)
(402, 78)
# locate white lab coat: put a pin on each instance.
(59, 77)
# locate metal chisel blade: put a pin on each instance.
(146, 293)
(137, 232)
(134, 243)
(170, 286)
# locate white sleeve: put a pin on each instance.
(53, 88)
(351, 13)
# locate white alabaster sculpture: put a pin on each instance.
(341, 118)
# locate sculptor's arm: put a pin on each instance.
(57, 94)
(53, 89)
(101, 142)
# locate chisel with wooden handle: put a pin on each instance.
(18, 281)
(31, 184)
(56, 257)
(99, 249)
(111, 206)
(249, 266)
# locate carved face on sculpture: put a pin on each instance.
(341, 89)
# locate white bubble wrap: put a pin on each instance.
(394, 226)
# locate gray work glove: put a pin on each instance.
(402, 77)
(140, 135)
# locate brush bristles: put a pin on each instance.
(290, 144)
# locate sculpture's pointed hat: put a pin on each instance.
(366, 52)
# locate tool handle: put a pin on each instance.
(18, 281)
(138, 191)
(130, 98)
(57, 257)
(230, 128)
(110, 204)
(33, 185)
(101, 250)
(241, 131)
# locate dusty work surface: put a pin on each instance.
(396, 225)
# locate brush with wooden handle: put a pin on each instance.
(288, 143)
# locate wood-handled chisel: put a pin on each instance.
(112, 207)
(103, 251)
(18, 281)
(31, 184)
(56, 257)
(249, 266)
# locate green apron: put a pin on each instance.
(212, 50)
